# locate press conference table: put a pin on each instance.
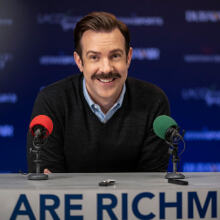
(134, 196)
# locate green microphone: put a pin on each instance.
(165, 127)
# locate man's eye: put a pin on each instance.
(93, 57)
(117, 55)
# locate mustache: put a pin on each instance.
(109, 75)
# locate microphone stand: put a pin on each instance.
(175, 158)
(38, 175)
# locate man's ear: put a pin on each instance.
(78, 61)
(129, 56)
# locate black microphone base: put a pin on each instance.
(37, 176)
(174, 175)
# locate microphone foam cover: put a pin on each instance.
(42, 120)
(161, 124)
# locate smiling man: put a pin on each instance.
(104, 63)
(102, 118)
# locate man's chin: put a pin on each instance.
(105, 95)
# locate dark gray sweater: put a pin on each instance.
(81, 143)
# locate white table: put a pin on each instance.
(134, 196)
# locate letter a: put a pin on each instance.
(28, 211)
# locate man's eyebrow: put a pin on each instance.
(98, 53)
(116, 50)
(92, 51)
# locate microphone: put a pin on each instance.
(167, 129)
(40, 127)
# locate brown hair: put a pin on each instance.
(99, 21)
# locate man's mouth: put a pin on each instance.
(106, 80)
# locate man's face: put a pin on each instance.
(104, 63)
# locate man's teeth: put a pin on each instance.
(106, 80)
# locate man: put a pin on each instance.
(102, 118)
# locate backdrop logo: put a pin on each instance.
(142, 21)
(211, 97)
(202, 58)
(6, 131)
(146, 54)
(202, 135)
(68, 22)
(62, 60)
(4, 58)
(6, 22)
(202, 16)
(201, 167)
(8, 98)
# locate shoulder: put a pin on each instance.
(55, 99)
(62, 86)
(146, 99)
(60, 93)
(144, 90)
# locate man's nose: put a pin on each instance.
(106, 66)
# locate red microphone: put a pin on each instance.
(41, 126)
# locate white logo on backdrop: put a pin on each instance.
(211, 97)
(68, 22)
(63, 60)
(6, 22)
(146, 54)
(202, 58)
(201, 167)
(6, 131)
(142, 21)
(202, 16)
(202, 135)
(4, 58)
(8, 98)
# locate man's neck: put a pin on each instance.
(106, 104)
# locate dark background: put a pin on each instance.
(176, 46)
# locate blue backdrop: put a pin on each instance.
(176, 46)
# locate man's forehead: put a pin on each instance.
(93, 41)
(102, 32)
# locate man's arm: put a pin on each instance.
(51, 154)
(154, 156)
